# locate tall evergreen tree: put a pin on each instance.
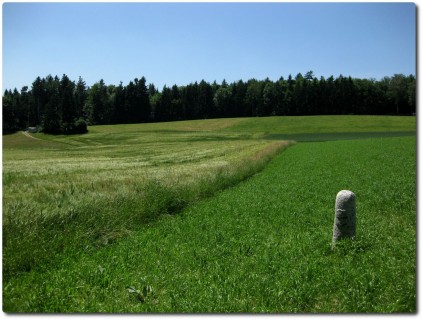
(397, 93)
(141, 106)
(80, 96)
(190, 100)
(238, 108)
(38, 102)
(67, 110)
(167, 111)
(51, 116)
(97, 106)
(118, 105)
(176, 104)
(269, 98)
(10, 117)
(411, 94)
(206, 105)
(223, 100)
(254, 98)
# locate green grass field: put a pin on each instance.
(192, 217)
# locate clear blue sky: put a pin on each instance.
(180, 43)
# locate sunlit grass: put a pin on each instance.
(90, 222)
(325, 124)
(262, 246)
(62, 192)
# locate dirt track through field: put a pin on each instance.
(26, 133)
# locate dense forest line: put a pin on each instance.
(62, 106)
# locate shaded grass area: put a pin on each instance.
(261, 246)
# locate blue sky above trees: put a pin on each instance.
(180, 43)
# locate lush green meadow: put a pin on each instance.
(90, 223)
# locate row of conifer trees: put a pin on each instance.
(62, 106)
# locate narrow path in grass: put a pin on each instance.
(26, 134)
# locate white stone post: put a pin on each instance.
(345, 216)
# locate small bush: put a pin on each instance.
(67, 128)
(80, 126)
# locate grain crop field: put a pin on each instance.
(132, 218)
(98, 186)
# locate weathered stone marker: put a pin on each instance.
(344, 224)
